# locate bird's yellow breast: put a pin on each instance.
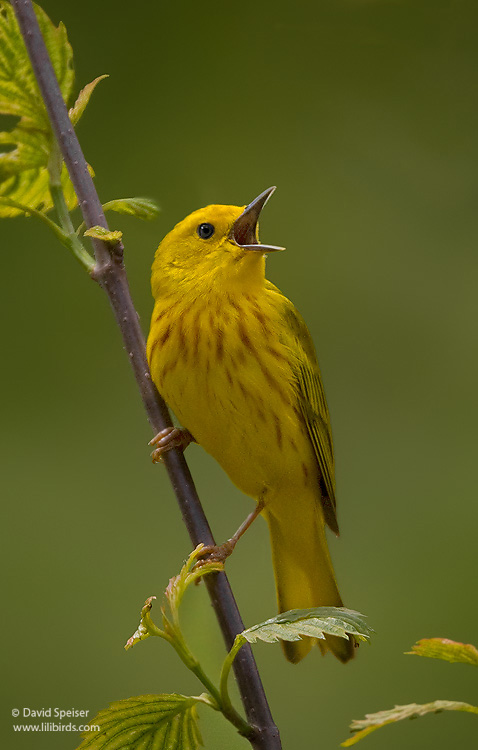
(221, 365)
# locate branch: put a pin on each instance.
(110, 273)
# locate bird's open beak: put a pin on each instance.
(244, 229)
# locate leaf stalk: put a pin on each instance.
(71, 239)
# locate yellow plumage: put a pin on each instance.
(234, 360)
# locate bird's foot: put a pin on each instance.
(171, 437)
(220, 553)
(216, 553)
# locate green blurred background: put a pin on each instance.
(365, 115)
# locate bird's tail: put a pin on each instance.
(303, 572)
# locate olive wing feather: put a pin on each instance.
(313, 405)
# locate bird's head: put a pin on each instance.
(214, 247)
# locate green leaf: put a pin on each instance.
(100, 233)
(31, 188)
(292, 625)
(147, 722)
(141, 208)
(443, 648)
(19, 94)
(363, 727)
(83, 98)
(25, 150)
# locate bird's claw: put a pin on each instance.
(167, 439)
(215, 553)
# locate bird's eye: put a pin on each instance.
(205, 231)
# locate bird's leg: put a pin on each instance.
(171, 437)
(221, 552)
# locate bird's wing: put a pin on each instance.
(312, 404)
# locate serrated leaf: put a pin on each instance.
(25, 150)
(147, 722)
(315, 622)
(443, 648)
(19, 94)
(363, 727)
(83, 98)
(141, 208)
(31, 188)
(107, 235)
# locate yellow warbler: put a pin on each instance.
(233, 358)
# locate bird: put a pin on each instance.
(234, 360)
